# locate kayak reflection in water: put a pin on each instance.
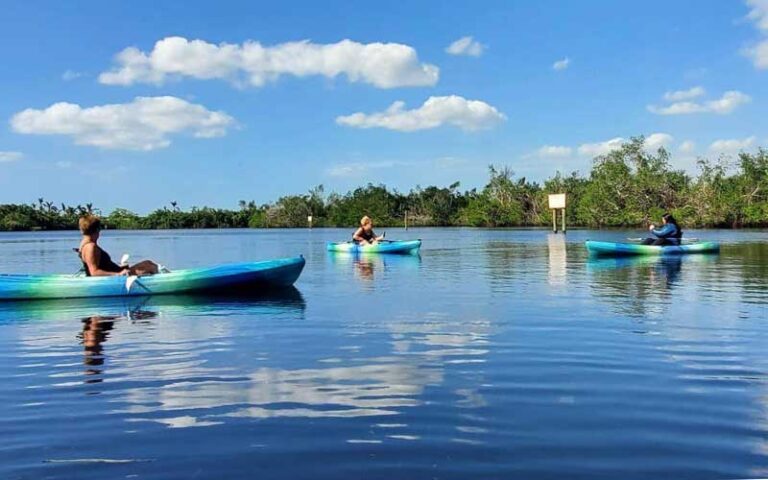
(97, 262)
(364, 235)
(669, 233)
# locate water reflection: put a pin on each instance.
(365, 267)
(368, 268)
(351, 383)
(510, 265)
(95, 332)
(640, 285)
(557, 259)
(167, 367)
(101, 318)
(284, 300)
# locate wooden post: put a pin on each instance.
(563, 210)
(554, 220)
(406, 219)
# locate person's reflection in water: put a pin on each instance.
(95, 332)
(365, 268)
(639, 286)
(670, 269)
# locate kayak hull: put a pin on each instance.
(221, 278)
(400, 247)
(614, 249)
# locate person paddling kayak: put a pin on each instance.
(97, 262)
(670, 232)
(364, 235)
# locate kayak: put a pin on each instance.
(221, 278)
(613, 249)
(393, 246)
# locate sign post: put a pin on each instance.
(557, 202)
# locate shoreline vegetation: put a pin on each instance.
(628, 187)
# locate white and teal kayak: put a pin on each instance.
(614, 249)
(384, 246)
(223, 278)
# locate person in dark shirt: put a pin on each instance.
(97, 262)
(364, 235)
(669, 233)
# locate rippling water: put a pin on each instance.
(493, 354)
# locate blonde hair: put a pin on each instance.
(366, 220)
(89, 224)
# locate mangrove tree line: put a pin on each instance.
(625, 188)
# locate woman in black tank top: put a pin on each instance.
(97, 262)
(364, 235)
(104, 263)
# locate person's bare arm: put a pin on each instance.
(91, 256)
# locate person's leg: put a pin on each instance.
(145, 267)
(659, 242)
(647, 241)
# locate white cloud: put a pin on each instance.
(728, 102)
(361, 169)
(71, 75)
(732, 146)
(144, 124)
(687, 147)
(678, 95)
(601, 148)
(7, 157)
(356, 169)
(652, 143)
(759, 54)
(759, 14)
(384, 65)
(677, 108)
(561, 64)
(554, 151)
(347, 170)
(64, 164)
(655, 141)
(721, 106)
(466, 46)
(450, 162)
(452, 110)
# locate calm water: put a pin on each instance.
(494, 354)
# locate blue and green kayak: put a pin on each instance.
(222, 278)
(386, 246)
(614, 249)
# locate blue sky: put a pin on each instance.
(221, 123)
